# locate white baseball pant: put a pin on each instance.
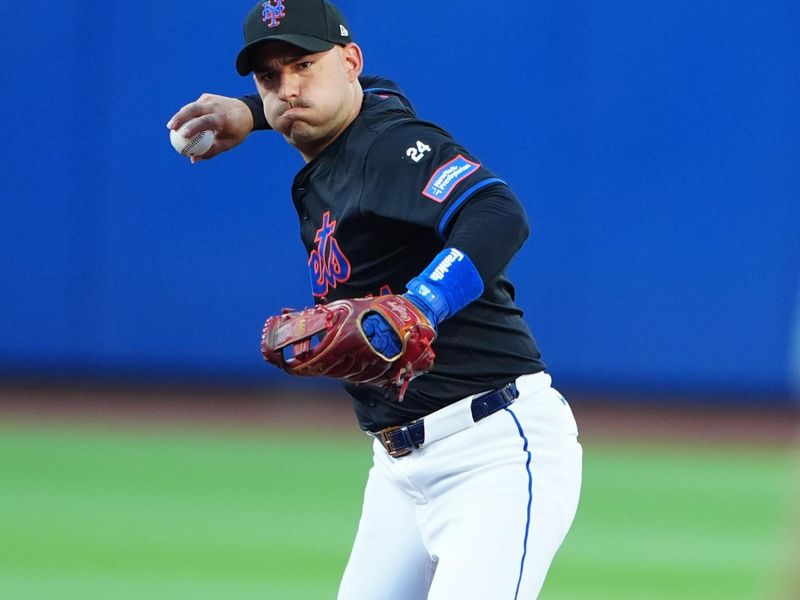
(476, 515)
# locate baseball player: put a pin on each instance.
(477, 467)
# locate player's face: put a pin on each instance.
(309, 98)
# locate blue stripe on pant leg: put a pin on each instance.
(530, 498)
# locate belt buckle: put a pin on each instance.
(384, 437)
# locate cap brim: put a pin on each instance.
(244, 61)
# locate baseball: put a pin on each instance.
(195, 146)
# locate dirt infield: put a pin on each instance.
(328, 409)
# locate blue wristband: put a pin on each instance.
(446, 285)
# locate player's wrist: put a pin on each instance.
(432, 312)
(448, 284)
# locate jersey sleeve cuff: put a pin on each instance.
(257, 110)
(444, 220)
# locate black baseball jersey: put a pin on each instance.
(375, 208)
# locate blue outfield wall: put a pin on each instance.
(655, 145)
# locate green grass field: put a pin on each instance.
(120, 512)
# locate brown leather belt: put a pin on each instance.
(401, 440)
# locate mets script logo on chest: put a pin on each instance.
(327, 264)
(273, 12)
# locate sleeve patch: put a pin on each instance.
(448, 176)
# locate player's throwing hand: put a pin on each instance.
(230, 118)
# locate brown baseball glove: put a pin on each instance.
(329, 340)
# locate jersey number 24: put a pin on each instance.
(418, 153)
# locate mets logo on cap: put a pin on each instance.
(273, 12)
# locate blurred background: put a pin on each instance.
(147, 451)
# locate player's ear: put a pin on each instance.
(353, 61)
